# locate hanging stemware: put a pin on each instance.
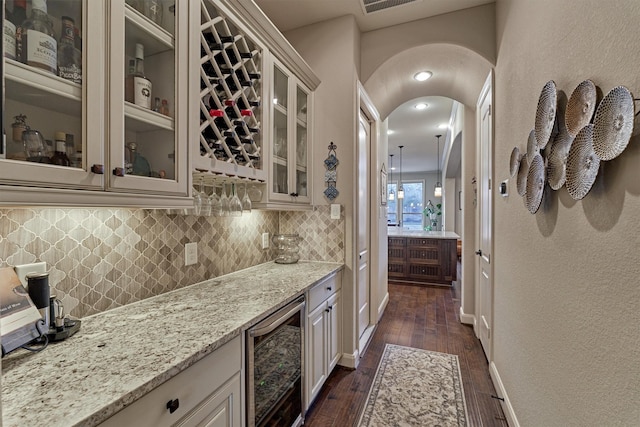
(235, 205)
(224, 201)
(246, 201)
(214, 199)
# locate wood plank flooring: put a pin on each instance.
(418, 316)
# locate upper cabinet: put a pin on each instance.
(96, 103)
(256, 100)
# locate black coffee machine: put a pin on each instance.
(51, 308)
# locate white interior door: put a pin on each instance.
(485, 277)
(363, 278)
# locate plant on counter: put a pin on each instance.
(432, 213)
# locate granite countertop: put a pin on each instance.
(403, 232)
(122, 354)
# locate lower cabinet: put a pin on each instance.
(422, 260)
(323, 334)
(205, 394)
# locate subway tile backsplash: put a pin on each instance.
(100, 259)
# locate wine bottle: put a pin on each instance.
(60, 155)
(69, 58)
(17, 18)
(140, 84)
(248, 104)
(245, 130)
(9, 35)
(39, 46)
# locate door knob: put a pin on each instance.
(479, 252)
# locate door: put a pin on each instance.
(363, 280)
(484, 281)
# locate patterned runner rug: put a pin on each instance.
(415, 387)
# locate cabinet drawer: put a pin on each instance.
(426, 255)
(396, 269)
(190, 388)
(396, 253)
(397, 241)
(423, 242)
(323, 290)
(424, 271)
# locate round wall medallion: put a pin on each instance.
(582, 164)
(532, 146)
(557, 160)
(514, 161)
(580, 108)
(613, 123)
(523, 170)
(535, 184)
(546, 113)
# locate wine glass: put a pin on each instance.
(246, 201)
(216, 207)
(235, 205)
(224, 201)
(197, 199)
(205, 209)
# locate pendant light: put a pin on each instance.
(400, 188)
(392, 194)
(437, 192)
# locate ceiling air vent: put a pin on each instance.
(370, 6)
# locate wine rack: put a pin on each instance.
(230, 97)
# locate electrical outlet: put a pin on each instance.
(335, 211)
(190, 253)
(265, 240)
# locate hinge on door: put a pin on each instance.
(489, 183)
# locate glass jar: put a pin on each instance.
(287, 248)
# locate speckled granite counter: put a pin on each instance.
(122, 354)
(400, 232)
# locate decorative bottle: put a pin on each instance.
(60, 157)
(18, 18)
(141, 94)
(69, 58)
(39, 46)
(9, 35)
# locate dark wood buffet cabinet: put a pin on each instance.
(419, 259)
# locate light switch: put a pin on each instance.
(335, 211)
(190, 253)
(265, 240)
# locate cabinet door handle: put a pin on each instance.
(293, 194)
(330, 307)
(118, 171)
(97, 169)
(173, 405)
(328, 288)
(326, 310)
(479, 252)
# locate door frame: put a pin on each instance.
(486, 93)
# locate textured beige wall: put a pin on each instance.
(567, 294)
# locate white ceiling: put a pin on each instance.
(414, 129)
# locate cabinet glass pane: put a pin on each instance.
(301, 142)
(280, 133)
(43, 82)
(149, 134)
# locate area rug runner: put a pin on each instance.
(415, 387)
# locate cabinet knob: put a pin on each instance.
(326, 310)
(118, 171)
(479, 252)
(330, 307)
(328, 288)
(173, 405)
(97, 169)
(293, 194)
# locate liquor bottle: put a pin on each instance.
(164, 107)
(60, 157)
(156, 105)
(18, 17)
(69, 58)
(138, 82)
(128, 81)
(9, 35)
(39, 46)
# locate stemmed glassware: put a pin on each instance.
(224, 201)
(214, 199)
(246, 201)
(197, 198)
(235, 205)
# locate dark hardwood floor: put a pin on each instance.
(418, 316)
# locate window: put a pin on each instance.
(411, 206)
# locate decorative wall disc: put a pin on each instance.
(557, 160)
(523, 170)
(532, 146)
(613, 123)
(514, 161)
(582, 164)
(580, 108)
(546, 113)
(535, 184)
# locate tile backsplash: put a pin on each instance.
(100, 259)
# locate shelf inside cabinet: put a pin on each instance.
(140, 29)
(41, 88)
(140, 119)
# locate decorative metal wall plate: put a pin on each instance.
(613, 123)
(523, 170)
(514, 161)
(580, 108)
(557, 160)
(546, 113)
(532, 146)
(535, 184)
(331, 175)
(582, 164)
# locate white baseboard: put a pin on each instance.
(512, 420)
(350, 360)
(467, 319)
(383, 306)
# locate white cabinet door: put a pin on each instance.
(221, 409)
(317, 358)
(333, 331)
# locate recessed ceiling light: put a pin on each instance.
(423, 75)
(443, 126)
(421, 106)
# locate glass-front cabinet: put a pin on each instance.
(95, 102)
(290, 174)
